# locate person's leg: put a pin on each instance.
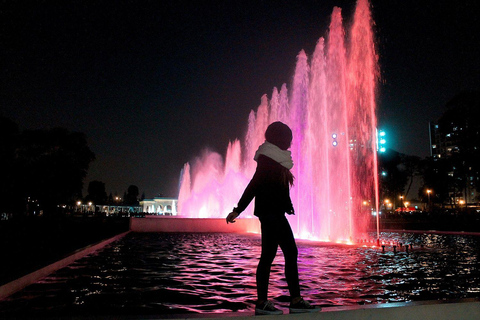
(269, 250)
(290, 253)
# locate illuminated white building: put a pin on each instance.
(160, 206)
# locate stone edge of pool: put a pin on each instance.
(464, 309)
(202, 225)
(14, 286)
(425, 310)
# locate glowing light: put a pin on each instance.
(381, 142)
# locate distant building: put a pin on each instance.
(456, 137)
(160, 206)
(444, 145)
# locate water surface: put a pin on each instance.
(152, 273)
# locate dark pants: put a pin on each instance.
(277, 232)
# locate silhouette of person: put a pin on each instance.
(270, 186)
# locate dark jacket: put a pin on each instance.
(270, 189)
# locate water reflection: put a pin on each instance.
(182, 273)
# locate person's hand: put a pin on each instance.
(232, 216)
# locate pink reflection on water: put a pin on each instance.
(331, 110)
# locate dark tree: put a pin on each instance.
(410, 165)
(52, 165)
(96, 192)
(131, 197)
(393, 175)
(435, 177)
(9, 135)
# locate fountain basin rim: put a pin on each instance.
(187, 225)
(468, 308)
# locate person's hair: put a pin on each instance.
(287, 176)
(279, 134)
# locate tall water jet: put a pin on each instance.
(331, 110)
(363, 73)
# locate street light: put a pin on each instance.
(428, 194)
(388, 204)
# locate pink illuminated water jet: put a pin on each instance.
(331, 110)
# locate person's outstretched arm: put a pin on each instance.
(245, 200)
(232, 216)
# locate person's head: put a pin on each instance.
(279, 134)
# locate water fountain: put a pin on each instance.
(331, 110)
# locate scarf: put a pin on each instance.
(283, 157)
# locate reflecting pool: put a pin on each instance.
(153, 273)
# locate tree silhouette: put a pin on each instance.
(395, 177)
(131, 197)
(48, 166)
(9, 136)
(96, 192)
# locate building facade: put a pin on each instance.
(455, 139)
(160, 206)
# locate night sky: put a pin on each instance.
(152, 83)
